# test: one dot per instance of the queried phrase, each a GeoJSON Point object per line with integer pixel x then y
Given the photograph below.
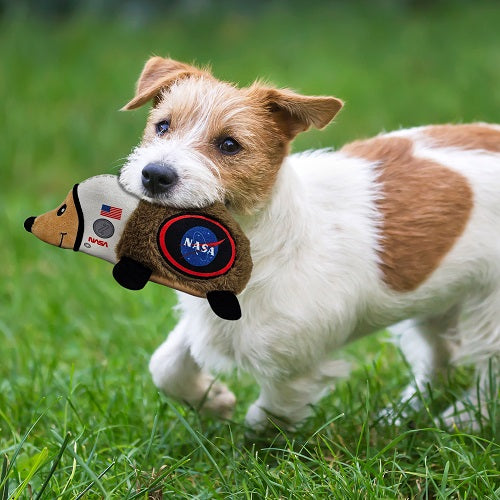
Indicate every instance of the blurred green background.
{"type": "Point", "coordinates": [72, 343]}
{"type": "Point", "coordinates": [395, 63]}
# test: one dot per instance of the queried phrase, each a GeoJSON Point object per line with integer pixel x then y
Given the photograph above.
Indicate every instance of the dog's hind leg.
{"type": "Point", "coordinates": [425, 344]}
{"type": "Point", "coordinates": [478, 343]}
{"type": "Point", "coordinates": [177, 374]}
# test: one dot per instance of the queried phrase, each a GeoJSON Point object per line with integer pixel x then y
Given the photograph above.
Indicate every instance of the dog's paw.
{"type": "Point", "coordinates": [256, 419]}
{"type": "Point", "coordinates": [401, 417]}
{"type": "Point", "coordinates": [460, 417]}
{"type": "Point", "coordinates": [401, 411]}
{"type": "Point", "coordinates": [261, 421]}
{"type": "Point", "coordinates": [390, 416]}
{"type": "Point", "coordinates": [219, 401]}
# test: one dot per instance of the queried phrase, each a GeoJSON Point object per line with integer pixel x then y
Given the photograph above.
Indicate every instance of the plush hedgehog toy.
{"type": "Point", "coordinates": [202, 252]}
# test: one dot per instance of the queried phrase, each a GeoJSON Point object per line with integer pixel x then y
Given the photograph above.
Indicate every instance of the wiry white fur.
{"type": "Point", "coordinates": [316, 285]}
{"type": "Point", "coordinates": [198, 184]}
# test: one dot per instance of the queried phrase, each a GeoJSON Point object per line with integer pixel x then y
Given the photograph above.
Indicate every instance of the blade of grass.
{"type": "Point", "coordinates": [196, 437]}
{"type": "Point", "coordinates": [153, 431]}
{"type": "Point", "coordinates": [54, 465]}
{"type": "Point", "coordinates": [82, 464]}
{"type": "Point", "coordinates": [18, 449]}
{"type": "Point", "coordinates": [4, 490]}
{"type": "Point", "coordinates": [324, 426]}
{"type": "Point", "coordinates": [40, 459]}
{"type": "Point", "coordinates": [71, 476]}
{"type": "Point", "coordinates": [164, 473]}
{"type": "Point", "coordinates": [444, 479]}
{"type": "Point", "coordinates": [10, 425]}
{"type": "Point", "coordinates": [80, 495]}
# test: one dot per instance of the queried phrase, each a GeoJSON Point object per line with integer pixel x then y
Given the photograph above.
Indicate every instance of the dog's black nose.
{"type": "Point", "coordinates": [28, 223]}
{"type": "Point", "coordinates": [157, 178]}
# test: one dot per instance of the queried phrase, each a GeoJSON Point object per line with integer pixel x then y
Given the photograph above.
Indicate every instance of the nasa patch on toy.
{"type": "Point", "coordinates": [196, 245]}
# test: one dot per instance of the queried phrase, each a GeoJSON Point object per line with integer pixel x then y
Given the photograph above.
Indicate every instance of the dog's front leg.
{"type": "Point", "coordinates": [286, 402]}
{"type": "Point", "coordinates": [177, 374]}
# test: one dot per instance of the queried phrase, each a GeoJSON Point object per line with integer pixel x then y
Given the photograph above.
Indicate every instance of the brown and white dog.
{"type": "Point", "coordinates": [400, 229]}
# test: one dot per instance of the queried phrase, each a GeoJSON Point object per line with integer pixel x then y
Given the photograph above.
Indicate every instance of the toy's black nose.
{"type": "Point", "coordinates": [157, 178]}
{"type": "Point", "coordinates": [28, 223]}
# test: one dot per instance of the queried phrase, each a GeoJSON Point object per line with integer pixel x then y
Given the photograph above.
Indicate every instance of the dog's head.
{"type": "Point", "coordinates": [207, 140]}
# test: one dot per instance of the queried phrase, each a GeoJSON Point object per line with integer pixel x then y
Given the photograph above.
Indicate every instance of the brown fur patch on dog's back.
{"type": "Point", "coordinates": [425, 207]}
{"type": "Point", "coordinates": [474, 136]}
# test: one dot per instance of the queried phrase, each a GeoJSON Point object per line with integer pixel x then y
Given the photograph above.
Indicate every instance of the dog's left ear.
{"type": "Point", "coordinates": [159, 73]}
{"type": "Point", "coordinates": [295, 113]}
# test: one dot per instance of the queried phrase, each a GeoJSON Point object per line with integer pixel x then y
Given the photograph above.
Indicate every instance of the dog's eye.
{"type": "Point", "coordinates": [162, 127]}
{"type": "Point", "coordinates": [61, 210]}
{"type": "Point", "coordinates": [229, 146]}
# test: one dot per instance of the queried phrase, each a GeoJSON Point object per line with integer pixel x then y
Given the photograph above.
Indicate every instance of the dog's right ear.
{"type": "Point", "coordinates": [158, 74]}
{"type": "Point", "coordinates": [295, 113]}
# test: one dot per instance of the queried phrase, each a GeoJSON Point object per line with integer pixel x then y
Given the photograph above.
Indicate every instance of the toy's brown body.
{"type": "Point", "coordinates": [140, 243]}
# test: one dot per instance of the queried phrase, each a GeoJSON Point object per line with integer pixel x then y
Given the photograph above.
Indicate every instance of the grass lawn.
{"type": "Point", "coordinates": [79, 415]}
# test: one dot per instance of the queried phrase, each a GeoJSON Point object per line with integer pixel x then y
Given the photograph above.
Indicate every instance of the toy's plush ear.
{"type": "Point", "coordinates": [158, 74]}
{"type": "Point", "coordinates": [59, 227]}
{"type": "Point", "coordinates": [295, 113]}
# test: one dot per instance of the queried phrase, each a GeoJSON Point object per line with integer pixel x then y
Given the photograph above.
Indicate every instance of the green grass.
{"type": "Point", "coordinates": [78, 411]}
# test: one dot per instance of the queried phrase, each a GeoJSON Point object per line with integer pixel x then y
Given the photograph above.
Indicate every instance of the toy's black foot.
{"type": "Point", "coordinates": [131, 274]}
{"type": "Point", "coordinates": [225, 304]}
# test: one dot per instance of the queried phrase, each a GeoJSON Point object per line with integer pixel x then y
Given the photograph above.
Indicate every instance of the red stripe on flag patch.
{"type": "Point", "coordinates": [111, 212]}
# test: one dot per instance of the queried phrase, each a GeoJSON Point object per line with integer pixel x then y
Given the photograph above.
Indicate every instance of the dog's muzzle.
{"type": "Point", "coordinates": [158, 178]}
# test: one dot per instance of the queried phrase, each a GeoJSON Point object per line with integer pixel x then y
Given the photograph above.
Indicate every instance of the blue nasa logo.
{"type": "Point", "coordinates": [196, 245]}
{"type": "Point", "coordinates": [199, 246]}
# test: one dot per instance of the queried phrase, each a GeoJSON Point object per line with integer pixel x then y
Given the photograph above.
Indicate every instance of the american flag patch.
{"type": "Point", "coordinates": [111, 212]}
